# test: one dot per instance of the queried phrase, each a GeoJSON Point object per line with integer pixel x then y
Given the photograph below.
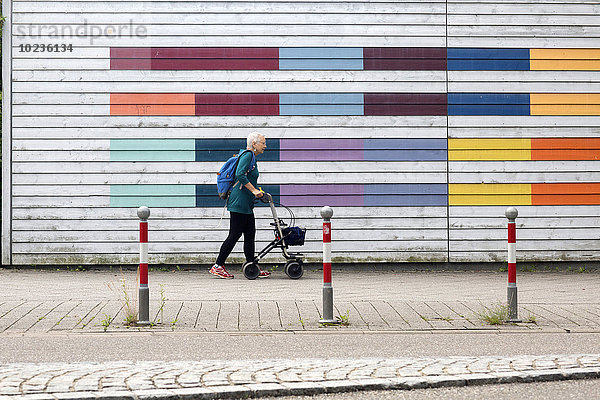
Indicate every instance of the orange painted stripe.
{"type": "Point", "coordinates": [152, 98]}
{"type": "Point", "coordinates": [152, 109]}
{"type": "Point", "coordinates": [565, 193]}
{"type": "Point", "coordinates": [565, 149]}
{"type": "Point", "coordinates": [152, 104]}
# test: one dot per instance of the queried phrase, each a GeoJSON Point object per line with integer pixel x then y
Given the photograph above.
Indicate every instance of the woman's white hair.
{"type": "Point", "coordinates": [253, 137]}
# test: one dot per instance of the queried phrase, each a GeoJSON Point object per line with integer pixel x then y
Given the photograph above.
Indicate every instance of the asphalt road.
{"type": "Point", "coordinates": [226, 346]}
{"type": "Point", "coordinates": [578, 389]}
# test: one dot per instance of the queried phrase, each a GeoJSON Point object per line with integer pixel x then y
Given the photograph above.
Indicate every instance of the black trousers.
{"type": "Point", "coordinates": [239, 224]}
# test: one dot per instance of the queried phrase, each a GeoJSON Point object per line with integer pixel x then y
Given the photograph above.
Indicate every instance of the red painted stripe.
{"type": "Point", "coordinates": [237, 104]}
{"type": "Point", "coordinates": [143, 232]}
{"type": "Point", "coordinates": [411, 64]}
{"type": "Point", "coordinates": [326, 272]}
{"type": "Point", "coordinates": [131, 63]}
{"type": "Point", "coordinates": [236, 109]}
{"type": "Point", "coordinates": [404, 109]}
{"type": "Point", "coordinates": [215, 64]}
{"type": "Point", "coordinates": [512, 232]}
{"type": "Point", "coordinates": [405, 52]}
{"type": "Point", "coordinates": [512, 273]}
{"type": "Point", "coordinates": [216, 52]}
{"type": "Point", "coordinates": [130, 52]}
{"type": "Point", "coordinates": [143, 274]}
{"type": "Point", "coordinates": [326, 232]}
{"type": "Point", "coordinates": [405, 98]}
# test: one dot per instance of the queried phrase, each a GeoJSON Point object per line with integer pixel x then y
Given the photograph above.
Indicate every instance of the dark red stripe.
{"type": "Point", "coordinates": [237, 104]}
{"type": "Point", "coordinates": [237, 98]}
{"type": "Point", "coordinates": [405, 98]}
{"type": "Point", "coordinates": [326, 232]}
{"type": "Point", "coordinates": [407, 64]}
{"type": "Point", "coordinates": [404, 109]}
{"type": "Point", "coordinates": [405, 52]}
{"type": "Point", "coordinates": [216, 52]}
{"type": "Point", "coordinates": [214, 64]}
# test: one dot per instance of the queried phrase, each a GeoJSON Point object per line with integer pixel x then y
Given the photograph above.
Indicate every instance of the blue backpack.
{"type": "Point", "coordinates": [226, 175]}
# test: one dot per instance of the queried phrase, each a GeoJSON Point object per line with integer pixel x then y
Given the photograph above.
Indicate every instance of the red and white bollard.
{"type": "Point", "coordinates": [512, 213]}
{"type": "Point", "coordinates": [327, 213]}
{"type": "Point", "coordinates": [144, 292]}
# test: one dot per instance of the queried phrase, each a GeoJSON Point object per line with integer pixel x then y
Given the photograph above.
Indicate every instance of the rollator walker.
{"type": "Point", "coordinates": [285, 236]}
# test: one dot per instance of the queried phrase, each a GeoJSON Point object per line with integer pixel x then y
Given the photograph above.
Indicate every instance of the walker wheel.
{"type": "Point", "coordinates": [251, 270]}
{"type": "Point", "coordinates": [294, 269]}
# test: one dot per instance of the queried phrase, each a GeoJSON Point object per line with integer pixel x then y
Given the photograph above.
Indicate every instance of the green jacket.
{"type": "Point", "coordinates": [241, 200]}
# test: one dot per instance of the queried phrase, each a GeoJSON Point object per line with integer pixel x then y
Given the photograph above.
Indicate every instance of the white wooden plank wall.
{"type": "Point", "coordinates": [61, 128]}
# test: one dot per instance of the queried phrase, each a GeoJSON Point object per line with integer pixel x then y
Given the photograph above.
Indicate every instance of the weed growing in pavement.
{"type": "Point", "coordinates": [163, 300]}
{"type": "Point", "coordinates": [302, 322]}
{"type": "Point", "coordinates": [495, 315]}
{"type": "Point", "coordinates": [173, 324]}
{"type": "Point", "coordinates": [129, 301]}
{"type": "Point", "coordinates": [345, 318]}
{"type": "Point", "coordinates": [581, 270]}
{"type": "Point", "coordinates": [273, 268]}
{"type": "Point", "coordinates": [106, 321]}
{"type": "Point", "coordinates": [531, 319]}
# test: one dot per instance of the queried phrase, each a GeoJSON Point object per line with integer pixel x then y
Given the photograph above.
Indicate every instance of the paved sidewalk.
{"type": "Point", "coordinates": [42, 301]}
{"type": "Point", "coordinates": [241, 379]}
{"type": "Point", "coordinates": [45, 305]}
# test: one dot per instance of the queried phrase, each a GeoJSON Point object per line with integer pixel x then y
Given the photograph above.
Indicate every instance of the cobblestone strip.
{"type": "Point", "coordinates": [146, 380]}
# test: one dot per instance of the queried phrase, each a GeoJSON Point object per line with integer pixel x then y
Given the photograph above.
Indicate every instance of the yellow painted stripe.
{"type": "Point", "coordinates": [564, 54]}
{"type": "Point", "coordinates": [490, 188]}
{"type": "Point", "coordinates": [564, 65]}
{"type": "Point", "coordinates": [565, 109]}
{"type": "Point", "coordinates": [489, 194]}
{"type": "Point", "coordinates": [488, 144]}
{"type": "Point", "coordinates": [486, 200]}
{"type": "Point", "coordinates": [564, 98]}
{"type": "Point", "coordinates": [489, 149]}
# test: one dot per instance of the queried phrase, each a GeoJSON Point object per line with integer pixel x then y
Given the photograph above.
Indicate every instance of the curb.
{"type": "Point", "coordinates": [322, 387]}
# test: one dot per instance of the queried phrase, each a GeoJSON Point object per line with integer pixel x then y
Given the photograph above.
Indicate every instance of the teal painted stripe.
{"type": "Point", "coordinates": [153, 195]}
{"type": "Point", "coordinates": [152, 150]}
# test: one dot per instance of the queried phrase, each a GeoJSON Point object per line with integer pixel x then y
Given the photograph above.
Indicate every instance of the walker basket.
{"type": "Point", "coordinates": [294, 236]}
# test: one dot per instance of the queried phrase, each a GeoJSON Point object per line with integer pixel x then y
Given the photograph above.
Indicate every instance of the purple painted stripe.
{"type": "Point", "coordinates": [321, 149]}
{"type": "Point", "coordinates": [321, 195]}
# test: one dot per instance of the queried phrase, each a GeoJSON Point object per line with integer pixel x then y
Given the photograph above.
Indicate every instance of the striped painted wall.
{"type": "Point", "coordinates": [418, 121]}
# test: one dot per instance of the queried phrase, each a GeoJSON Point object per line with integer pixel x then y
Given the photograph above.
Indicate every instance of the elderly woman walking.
{"type": "Point", "coordinates": [241, 204]}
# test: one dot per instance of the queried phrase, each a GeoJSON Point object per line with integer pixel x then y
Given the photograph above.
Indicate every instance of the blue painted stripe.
{"type": "Point", "coordinates": [153, 195]}
{"type": "Point", "coordinates": [321, 104]}
{"type": "Point", "coordinates": [406, 155]}
{"type": "Point", "coordinates": [321, 98]}
{"type": "Point", "coordinates": [206, 195]}
{"type": "Point", "coordinates": [488, 109]}
{"type": "Point", "coordinates": [321, 109]}
{"type": "Point", "coordinates": [321, 52]}
{"type": "Point", "coordinates": [488, 65]}
{"type": "Point", "coordinates": [321, 58]}
{"type": "Point", "coordinates": [404, 144]}
{"type": "Point", "coordinates": [406, 201]}
{"type": "Point", "coordinates": [488, 98]}
{"type": "Point", "coordinates": [223, 149]}
{"type": "Point", "coordinates": [406, 188]}
{"type": "Point", "coordinates": [487, 54]}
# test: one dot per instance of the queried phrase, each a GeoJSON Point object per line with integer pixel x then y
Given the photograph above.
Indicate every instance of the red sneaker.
{"type": "Point", "coordinates": [264, 274]}
{"type": "Point", "coordinates": [219, 271]}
